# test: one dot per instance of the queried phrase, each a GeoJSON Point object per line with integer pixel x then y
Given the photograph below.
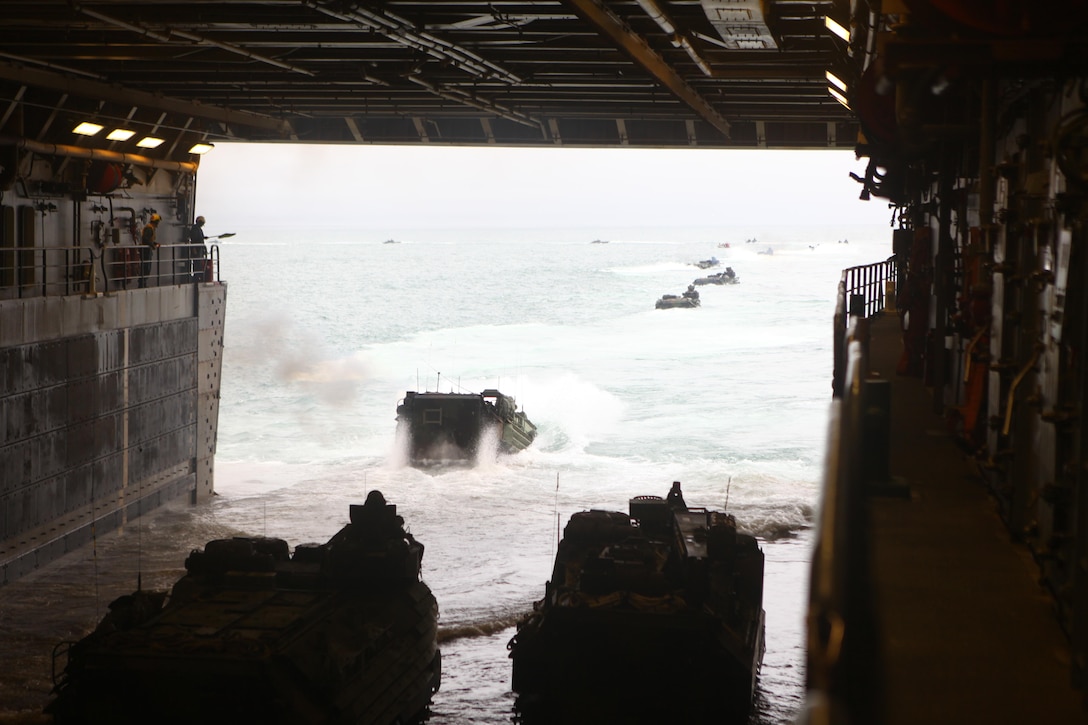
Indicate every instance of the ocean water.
{"type": "Point", "coordinates": [326, 330]}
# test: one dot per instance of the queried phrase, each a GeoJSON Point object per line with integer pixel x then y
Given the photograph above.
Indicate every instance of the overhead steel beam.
{"type": "Point", "coordinates": [15, 101]}
{"type": "Point", "coordinates": [85, 88]}
{"type": "Point", "coordinates": [613, 26]}
{"type": "Point", "coordinates": [354, 128]}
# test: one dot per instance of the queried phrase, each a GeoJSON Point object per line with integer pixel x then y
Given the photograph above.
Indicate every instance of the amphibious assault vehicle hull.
{"type": "Point", "coordinates": [454, 426]}
{"type": "Point", "coordinates": [669, 301]}
{"type": "Point", "coordinates": [655, 616]}
{"type": "Point", "coordinates": [720, 278]}
{"type": "Point", "coordinates": [343, 632]}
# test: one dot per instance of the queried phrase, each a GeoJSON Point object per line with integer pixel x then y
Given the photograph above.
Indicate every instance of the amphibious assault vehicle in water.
{"type": "Point", "coordinates": [341, 632]}
{"type": "Point", "coordinates": [442, 427]}
{"type": "Point", "coordinates": [655, 615]}
{"type": "Point", "coordinates": [667, 302]}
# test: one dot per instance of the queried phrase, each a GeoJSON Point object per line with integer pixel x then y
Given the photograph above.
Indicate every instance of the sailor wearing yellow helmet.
{"type": "Point", "coordinates": [149, 243]}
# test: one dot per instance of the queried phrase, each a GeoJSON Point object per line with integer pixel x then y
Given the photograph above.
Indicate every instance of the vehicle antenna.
{"type": "Point", "coordinates": [555, 539]}
{"type": "Point", "coordinates": [727, 484]}
{"type": "Point", "coordinates": [438, 382]}
{"type": "Point", "coordinates": [140, 548]}
{"type": "Point", "coordinates": [94, 553]}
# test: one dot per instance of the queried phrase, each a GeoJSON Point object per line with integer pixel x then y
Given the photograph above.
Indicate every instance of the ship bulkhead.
{"type": "Point", "coordinates": [974, 121]}
{"type": "Point", "coordinates": [111, 350]}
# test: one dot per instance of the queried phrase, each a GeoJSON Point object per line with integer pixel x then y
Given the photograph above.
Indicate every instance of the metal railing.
{"type": "Point", "coordinates": [55, 271]}
{"type": "Point", "coordinates": [843, 655]}
{"type": "Point", "coordinates": [844, 660]}
{"type": "Point", "coordinates": [863, 292]}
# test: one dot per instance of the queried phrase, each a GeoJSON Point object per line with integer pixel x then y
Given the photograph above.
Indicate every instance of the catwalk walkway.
{"type": "Point", "coordinates": [967, 632]}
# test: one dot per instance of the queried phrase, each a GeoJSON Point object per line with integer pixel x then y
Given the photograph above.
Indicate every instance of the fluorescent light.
{"type": "Point", "coordinates": [87, 129]}
{"type": "Point", "coordinates": [149, 142]}
{"type": "Point", "coordinates": [120, 134]}
{"type": "Point", "coordinates": [201, 148]}
{"type": "Point", "coordinates": [839, 97]}
{"type": "Point", "coordinates": [836, 81]}
{"type": "Point", "coordinates": [836, 28]}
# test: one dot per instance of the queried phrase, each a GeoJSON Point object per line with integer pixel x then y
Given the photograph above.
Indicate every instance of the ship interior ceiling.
{"type": "Point", "coordinates": [969, 118]}
{"type": "Point", "coordinates": [718, 73]}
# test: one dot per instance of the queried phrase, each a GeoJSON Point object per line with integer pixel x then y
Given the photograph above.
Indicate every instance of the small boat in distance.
{"type": "Point", "coordinates": [443, 427]}
{"type": "Point", "coordinates": [650, 616]}
{"type": "Point", "coordinates": [390, 241]}
{"type": "Point", "coordinates": [707, 263]}
{"type": "Point", "coordinates": [344, 632]}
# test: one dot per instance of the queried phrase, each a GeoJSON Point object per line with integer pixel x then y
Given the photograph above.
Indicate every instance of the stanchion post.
{"type": "Point", "coordinates": [876, 433]}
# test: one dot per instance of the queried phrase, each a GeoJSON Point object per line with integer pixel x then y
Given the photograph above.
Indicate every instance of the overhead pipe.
{"type": "Point", "coordinates": [683, 42]}
{"type": "Point", "coordinates": [658, 15]}
{"type": "Point", "coordinates": [52, 66]}
{"type": "Point", "coordinates": [402, 31]}
{"type": "Point", "coordinates": [469, 100]}
{"type": "Point", "coordinates": [712, 40]}
{"type": "Point", "coordinates": [78, 152]}
{"type": "Point", "coordinates": [679, 40]}
{"type": "Point", "coordinates": [147, 32]}
{"type": "Point", "coordinates": [242, 52]}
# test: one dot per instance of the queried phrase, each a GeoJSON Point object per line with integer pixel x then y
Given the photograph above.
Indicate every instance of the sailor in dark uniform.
{"type": "Point", "coordinates": [149, 244]}
{"type": "Point", "coordinates": [198, 250]}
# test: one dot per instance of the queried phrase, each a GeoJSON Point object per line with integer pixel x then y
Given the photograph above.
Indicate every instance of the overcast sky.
{"type": "Point", "coordinates": [261, 185]}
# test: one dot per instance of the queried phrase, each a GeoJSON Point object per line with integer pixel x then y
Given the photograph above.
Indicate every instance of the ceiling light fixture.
{"type": "Point", "coordinates": [836, 81]}
{"type": "Point", "coordinates": [201, 148]}
{"type": "Point", "coordinates": [839, 97]}
{"type": "Point", "coordinates": [120, 134]}
{"type": "Point", "coordinates": [837, 29]}
{"type": "Point", "coordinates": [87, 129]}
{"type": "Point", "coordinates": [150, 142]}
